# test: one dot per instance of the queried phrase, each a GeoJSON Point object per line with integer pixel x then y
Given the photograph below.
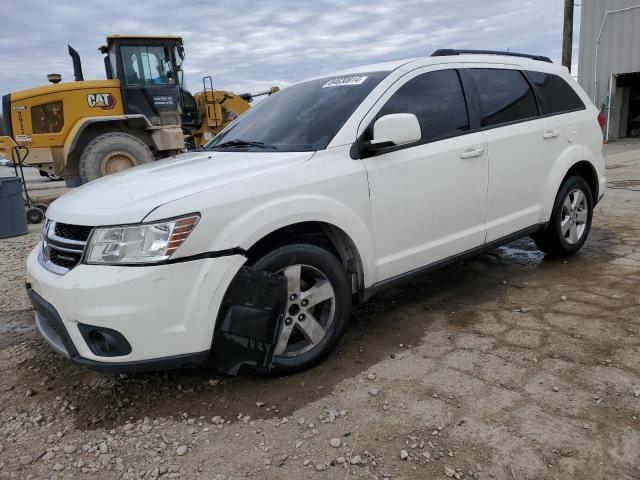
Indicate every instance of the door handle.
{"type": "Point", "coordinates": [472, 152]}
{"type": "Point", "coordinates": [550, 134]}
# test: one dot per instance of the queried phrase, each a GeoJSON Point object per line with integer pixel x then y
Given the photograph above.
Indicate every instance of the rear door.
{"type": "Point", "coordinates": [428, 199]}
{"type": "Point", "coordinates": [560, 118]}
{"type": "Point", "coordinates": [509, 119]}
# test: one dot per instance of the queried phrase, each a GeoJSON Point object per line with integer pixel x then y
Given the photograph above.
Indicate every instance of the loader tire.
{"type": "Point", "coordinates": [111, 153]}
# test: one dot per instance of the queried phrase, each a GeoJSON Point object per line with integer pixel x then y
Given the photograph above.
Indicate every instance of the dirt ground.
{"type": "Point", "coordinates": [510, 366]}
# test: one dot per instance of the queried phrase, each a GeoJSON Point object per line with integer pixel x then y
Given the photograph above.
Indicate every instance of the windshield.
{"type": "Point", "coordinates": [146, 65]}
{"type": "Point", "coordinates": [302, 117]}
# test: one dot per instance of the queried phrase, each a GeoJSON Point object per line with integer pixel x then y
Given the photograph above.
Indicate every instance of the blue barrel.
{"type": "Point", "coordinates": [13, 221]}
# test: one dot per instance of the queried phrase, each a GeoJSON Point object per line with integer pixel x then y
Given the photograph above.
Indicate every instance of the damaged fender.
{"type": "Point", "coordinates": [249, 321]}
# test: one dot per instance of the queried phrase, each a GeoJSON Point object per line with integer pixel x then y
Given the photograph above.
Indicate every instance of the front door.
{"type": "Point", "coordinates": [149, 85]}
{"type": "Point", "coordinates": [428, 199]}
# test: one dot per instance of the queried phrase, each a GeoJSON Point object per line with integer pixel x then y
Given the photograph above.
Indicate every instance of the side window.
{"type": "Point", "coordinates": [504, 96]}
{"type": "Point", "coordinates": [437, 99]}
{"type": "Point", "coordinates": [555, 93]}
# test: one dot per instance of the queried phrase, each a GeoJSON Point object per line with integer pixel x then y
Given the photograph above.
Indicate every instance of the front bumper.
{"type": "Point", "coordinates": [51, 327]}
{"type": "Point", "coordinates": [167, 313]}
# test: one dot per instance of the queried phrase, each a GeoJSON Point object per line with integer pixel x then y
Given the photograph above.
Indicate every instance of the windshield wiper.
{"type": "Point", "coordinates": [238, 143]}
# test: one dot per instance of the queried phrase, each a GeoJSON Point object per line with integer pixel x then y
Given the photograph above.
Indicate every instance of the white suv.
{"type": "Point", "coordinates": [251, 251]}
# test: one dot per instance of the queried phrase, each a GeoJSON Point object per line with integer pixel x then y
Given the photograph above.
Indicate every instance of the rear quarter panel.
{"type": "Point", "coordinates": [584, 144]}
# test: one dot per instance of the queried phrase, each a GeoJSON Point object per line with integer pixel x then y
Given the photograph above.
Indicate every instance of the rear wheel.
{"type": "Point", "coordinates": [111, 153]}
{"type": "Point", "coordinates": [318, 306]}
{"type": "Point", "coordinates": [570, 221]}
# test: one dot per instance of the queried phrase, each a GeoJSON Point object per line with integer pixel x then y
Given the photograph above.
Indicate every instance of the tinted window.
{"type": "Point", "coordinates": [505, 96]}
{"type": "Point", "coordinates": [436, 98]}
{"type": "Point", "coordinates": [302, 117]}
{"type": "Point", "coordinates": [555, 93]}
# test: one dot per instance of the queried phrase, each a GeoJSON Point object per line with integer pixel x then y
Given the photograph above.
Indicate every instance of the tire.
{"type": "Point", "coordinates": [35, 215]}
{"type": "Point", "coordinates": [559, 237]}
{"type": "Point", "coordinates": [318, 266]}
{"type": "Point", "coordinates": [110, 153]}
{"type": "Point", "coordinates": [72, 182]}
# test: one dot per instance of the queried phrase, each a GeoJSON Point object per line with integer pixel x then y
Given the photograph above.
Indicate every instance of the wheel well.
{"type": "Point", "coordinates": [586, 171]}
{"type": "Point", "coordinates": [322, 234]}
{"type": "Point", "coordinates": [92, 131]}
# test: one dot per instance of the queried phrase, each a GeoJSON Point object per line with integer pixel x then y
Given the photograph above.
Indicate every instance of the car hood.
{"type": "Point", "coordinates": [128, 196]}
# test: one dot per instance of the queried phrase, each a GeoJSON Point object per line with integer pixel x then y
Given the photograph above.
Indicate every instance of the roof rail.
{"type": "Point", "coordinates": [444, 52]}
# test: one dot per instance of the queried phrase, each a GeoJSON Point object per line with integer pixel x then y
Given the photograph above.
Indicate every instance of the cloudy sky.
{"type": "Point", "coordinates": [249, 45]}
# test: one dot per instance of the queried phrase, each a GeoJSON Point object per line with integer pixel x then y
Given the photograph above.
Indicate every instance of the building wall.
{"type": "Point", "coordinates": [619, 50]}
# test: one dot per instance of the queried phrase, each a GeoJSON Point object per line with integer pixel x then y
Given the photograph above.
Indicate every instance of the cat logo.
{"type": "Point", "coordinates": [105, 101]}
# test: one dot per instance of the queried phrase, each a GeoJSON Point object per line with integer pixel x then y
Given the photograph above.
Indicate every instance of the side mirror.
{"type": "Point", "coordinates": [393, 130]}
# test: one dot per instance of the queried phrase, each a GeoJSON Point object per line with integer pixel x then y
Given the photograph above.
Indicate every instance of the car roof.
{"type": "Point", "coordinates": [412, 63]}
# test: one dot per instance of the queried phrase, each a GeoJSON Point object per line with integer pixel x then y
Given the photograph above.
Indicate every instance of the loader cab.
{"type": "Point", "coordinates": [151, 78]}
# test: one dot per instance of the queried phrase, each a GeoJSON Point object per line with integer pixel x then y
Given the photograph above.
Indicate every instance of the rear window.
{"type": "Point", "coordinates": [556, 95]}
{"type": "Point", "coordinates": [505, 96]}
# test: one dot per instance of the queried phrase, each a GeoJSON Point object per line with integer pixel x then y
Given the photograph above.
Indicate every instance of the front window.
{"type": "Point", "coordinates": [437, 100]}
{"type": "Point", "coordinates": [302, 117]}
{"type": "Point", "coordinates": [147, 65]}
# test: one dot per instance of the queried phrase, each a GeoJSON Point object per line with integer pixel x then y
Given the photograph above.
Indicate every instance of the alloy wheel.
{"type": "Point", "coordinates": [309, 312]}
{"type": "Point", "coordinates": [574, 216]}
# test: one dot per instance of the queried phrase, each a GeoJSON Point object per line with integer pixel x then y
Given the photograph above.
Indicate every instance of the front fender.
{"type": "Point", "coordinates": [568, 158]}
{"type": "Point", "coordinates": [132, 121]}
{"type": "Point", "coordinates": [251, 226]}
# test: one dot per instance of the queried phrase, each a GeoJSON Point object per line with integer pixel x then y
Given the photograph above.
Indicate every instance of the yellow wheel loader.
{"type": "Point", "coordinates": [86, 129]}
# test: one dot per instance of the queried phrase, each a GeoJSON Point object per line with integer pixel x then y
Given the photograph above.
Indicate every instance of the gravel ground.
{"type": "Point", "coordinates": [510, 366]}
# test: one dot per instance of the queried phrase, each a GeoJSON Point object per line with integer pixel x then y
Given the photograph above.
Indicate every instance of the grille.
{"type": "Point", "coordinates": [72, 232]}
{"type": "Point", "coordinates": [64, 245]}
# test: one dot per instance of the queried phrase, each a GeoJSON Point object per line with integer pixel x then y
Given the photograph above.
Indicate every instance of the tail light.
{"type": "Point", "coordinates": [602, 120]}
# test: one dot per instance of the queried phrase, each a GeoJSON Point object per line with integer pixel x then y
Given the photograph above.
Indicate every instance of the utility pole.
{"type": "Point", "coordinates": [567, 34]}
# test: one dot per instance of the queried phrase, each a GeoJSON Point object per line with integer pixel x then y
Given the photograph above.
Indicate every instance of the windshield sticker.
{"type": "Point", "coordinates": [339, 82]}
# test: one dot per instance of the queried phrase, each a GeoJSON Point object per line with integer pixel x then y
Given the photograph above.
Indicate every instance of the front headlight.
{"type": "Point", "coordinates": [143, 243]}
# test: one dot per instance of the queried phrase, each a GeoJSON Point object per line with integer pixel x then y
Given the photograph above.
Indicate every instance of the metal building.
{"type": "Point", "coordinates": [609, 62]}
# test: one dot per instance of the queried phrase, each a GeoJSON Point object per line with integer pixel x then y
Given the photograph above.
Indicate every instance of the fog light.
{"type": "Point", "coordinates": [104, 342]}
